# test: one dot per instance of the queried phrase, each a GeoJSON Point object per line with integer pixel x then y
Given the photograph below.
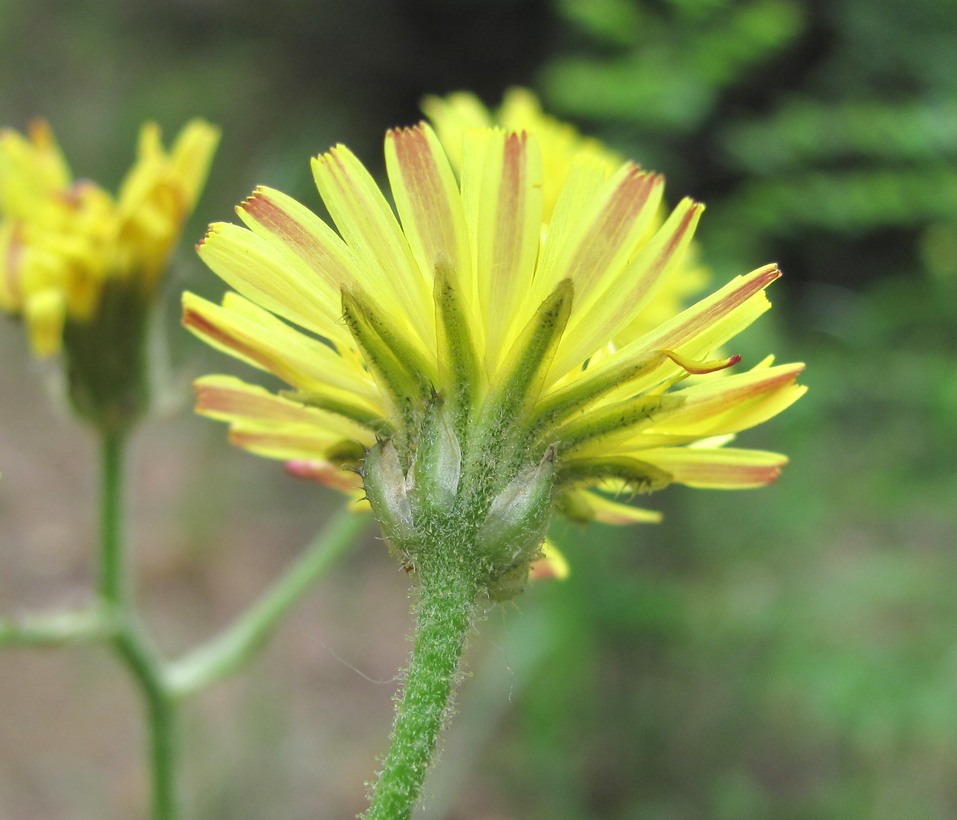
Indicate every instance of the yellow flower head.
{"type": "Point", "coordinates": [474, 361]}
{"type": "Point", "coordinates": [62, 241]}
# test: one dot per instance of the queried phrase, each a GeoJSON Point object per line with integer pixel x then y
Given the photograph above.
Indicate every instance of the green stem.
{"type": "Point", "coordinates": [130, 642]}
{"type": "Point", "coordinates": [239, 642]}
{"type": "Point", "coordinates": [446, 606]}
{"type": "Point", "coordinates": [113, 585]}
{"type": "Point", "coordinates": [68, 627]}
{"type": "Point", "coordinates": [144, 665]}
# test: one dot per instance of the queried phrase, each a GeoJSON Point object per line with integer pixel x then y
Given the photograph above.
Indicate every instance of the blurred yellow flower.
{"type": "Point", "coordinates": [62, 241]}
{"type": "Point", "coordinates": [492, 347]}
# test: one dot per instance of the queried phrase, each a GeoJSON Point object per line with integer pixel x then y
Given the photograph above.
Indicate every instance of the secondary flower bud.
{"type": "Point", "coordinates": [387, 490]}
{"type": "Point", "coordinates": [515, 527]}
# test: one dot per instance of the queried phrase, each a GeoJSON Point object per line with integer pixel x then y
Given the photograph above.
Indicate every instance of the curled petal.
{"type": "Point", "coordinates": [691, 336]}
{"type": "Point", "coordinates": [735, 403]}
{"type": "Point", "coordinates": [700, 368]}
{"type": "Point", "coordinates": [607, 311]}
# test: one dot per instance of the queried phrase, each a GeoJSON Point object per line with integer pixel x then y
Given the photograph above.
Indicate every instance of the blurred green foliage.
{"type": "Point", "coordinates": [791, 118]}
{"type": "Point", "coordinates": [788, 653]}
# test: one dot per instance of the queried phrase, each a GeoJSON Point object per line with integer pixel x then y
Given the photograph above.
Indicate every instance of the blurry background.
{"type": "Point", "coordinates": [790, 652]}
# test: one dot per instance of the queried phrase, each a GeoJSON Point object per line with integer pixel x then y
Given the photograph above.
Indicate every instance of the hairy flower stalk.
{"type": "Point", "coordinates": [488, 353]}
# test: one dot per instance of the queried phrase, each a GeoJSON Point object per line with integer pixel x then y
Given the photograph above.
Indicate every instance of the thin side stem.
{"type": "Point", "coordinates": [68, 627]}
{"type": "Point", "coordinates": [444, 614]}
{"type": "Point", "coordinates": [130, 643]}
{"type": "Point", "coordinates": [233, 647]}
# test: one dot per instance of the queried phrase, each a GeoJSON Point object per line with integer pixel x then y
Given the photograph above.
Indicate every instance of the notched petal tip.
{"type": "Point", "coordinates": [516, 138]}
{"type": "Point", "coordinates": [416, 131]}
{"type": "Point", "coordinates": [633, 174]}
{"type": "Point", "coordinates": [212, 231]}
{"type": "Point", "coordinates": [257, 202]}
{"type": "Point", "coordinates": [333, 155]}
{"type": "Point", "coordinates": [764, 476]}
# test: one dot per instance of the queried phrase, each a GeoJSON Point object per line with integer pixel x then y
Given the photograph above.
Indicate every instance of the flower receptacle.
{"type": "Point", "coordinates": [499, 532]}
{"type": "Point", "coordinates": [514, 528]}
{"type": "Point", "coordinates": [106, 359]}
